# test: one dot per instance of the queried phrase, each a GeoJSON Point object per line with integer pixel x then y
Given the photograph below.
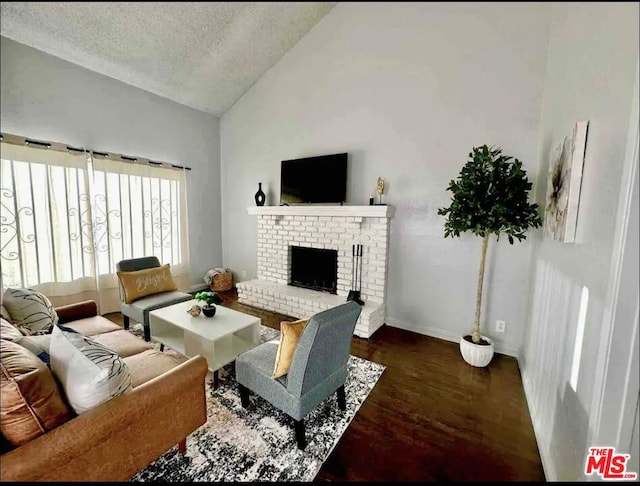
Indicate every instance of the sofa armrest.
{"type": "Point", "coordinates": [115, 440]}
{"type": "Point", "coordinates": [73, 312]}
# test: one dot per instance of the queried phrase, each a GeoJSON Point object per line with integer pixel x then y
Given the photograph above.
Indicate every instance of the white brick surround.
{"type": "Point", "coordinates": [326, 227]}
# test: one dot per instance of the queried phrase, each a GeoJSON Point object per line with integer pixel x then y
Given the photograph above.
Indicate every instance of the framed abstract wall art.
{"type": "Point", "coordinates": [563, 185]}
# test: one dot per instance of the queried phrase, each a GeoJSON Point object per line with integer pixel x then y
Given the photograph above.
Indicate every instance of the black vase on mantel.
{"type": "Point", "coordinates": [260, 196]}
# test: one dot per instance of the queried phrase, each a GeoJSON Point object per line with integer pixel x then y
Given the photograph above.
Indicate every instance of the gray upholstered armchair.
{"type": "Point", "coordinates": [318, 368]}
{"type": "Point", "coordinates": [138, 310]}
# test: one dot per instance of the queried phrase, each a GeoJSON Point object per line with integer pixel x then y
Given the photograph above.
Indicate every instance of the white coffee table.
{"type": "Point", "coordinates": [220, 339]}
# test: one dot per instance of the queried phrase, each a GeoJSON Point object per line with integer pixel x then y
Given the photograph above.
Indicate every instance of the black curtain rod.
{"type": "Point", "coordinates": [133, 159]}
{"type": "Point", "coordinates": [35, 142]}
{"type": "Point", "coordinates": [103, 154]}
{"type": "Point", "coordinates": [180, 167]}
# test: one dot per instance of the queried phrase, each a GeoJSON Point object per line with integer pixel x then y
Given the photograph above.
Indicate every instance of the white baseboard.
{"type": "Point", "coordinates": [536, 420]}
{"type": "Point", "coordinates": [442, 334]}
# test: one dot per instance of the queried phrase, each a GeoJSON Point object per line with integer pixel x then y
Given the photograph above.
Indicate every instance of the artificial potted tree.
{"type": "Point", "coordinates": [490, 196]}
{"type": "Point", "coordinates": [209, 299]}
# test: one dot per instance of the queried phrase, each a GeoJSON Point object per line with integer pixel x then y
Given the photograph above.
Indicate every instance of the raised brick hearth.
{"type": "Point", "coordinates": [326, 227]}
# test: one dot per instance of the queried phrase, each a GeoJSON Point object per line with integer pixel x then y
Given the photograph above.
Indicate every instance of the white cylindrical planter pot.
{"type": "Point", "coordinates": [476, 354]}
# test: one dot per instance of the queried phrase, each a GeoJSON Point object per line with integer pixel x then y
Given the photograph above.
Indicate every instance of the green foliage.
{"type": "Point", "coordinates": [209, 297]}
{"type": "Point", "coordinates": [490, 196]}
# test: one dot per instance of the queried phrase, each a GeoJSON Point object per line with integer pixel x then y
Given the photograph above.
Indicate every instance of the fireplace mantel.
{"type": "Point", "coordinates": [382, 211]}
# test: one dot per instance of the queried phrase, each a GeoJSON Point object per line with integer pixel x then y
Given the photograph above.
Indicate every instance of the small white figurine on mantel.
{"type": "Point", "coordinates": [380, 189]}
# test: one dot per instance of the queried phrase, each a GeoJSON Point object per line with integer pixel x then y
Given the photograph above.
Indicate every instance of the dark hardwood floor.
{"type": "Point", "coordinates": [431, 416]}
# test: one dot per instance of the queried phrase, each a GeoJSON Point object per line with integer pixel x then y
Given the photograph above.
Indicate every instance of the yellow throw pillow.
{"type": "Point", "coordinates": [142, 283]}
{"type": "Point", "coordinates": [290, 333]}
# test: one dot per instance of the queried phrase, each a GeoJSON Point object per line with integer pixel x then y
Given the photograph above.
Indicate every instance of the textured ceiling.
{"type": "Point", "coordinates": [203, 55]}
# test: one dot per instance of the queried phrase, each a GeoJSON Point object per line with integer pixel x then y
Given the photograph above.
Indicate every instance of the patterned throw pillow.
{"type": "Point", "coordinates": [31, 311]}
{"type": "Point", "coordinates": [142, 283]}
{"type": "Point", "coordinates": [4, 313]}
{"type": "Point", "coordinates": [89, 372]}
{"type": "Point", "coordinates": [290, 333]}
{"type": "Point", "coordinates": [9, 332]}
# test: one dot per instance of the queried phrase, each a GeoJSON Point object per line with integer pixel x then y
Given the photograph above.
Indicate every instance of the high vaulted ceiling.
{"type": "Point", "coordinates": [203, 55]}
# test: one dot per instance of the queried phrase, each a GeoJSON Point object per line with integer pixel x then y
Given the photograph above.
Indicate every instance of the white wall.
{"type": "Point", "coordinates": [592, 65]}
{"type": "Point", "coordinates": [407, 90]}
{"type": "Point", "coordinates": [44, 97]}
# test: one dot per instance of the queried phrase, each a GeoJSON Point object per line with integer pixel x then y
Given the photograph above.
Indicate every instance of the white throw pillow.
{"type": "Point", "coordinates": [31, 311]}
{"type": "Point", "coordinates": [89, 372]}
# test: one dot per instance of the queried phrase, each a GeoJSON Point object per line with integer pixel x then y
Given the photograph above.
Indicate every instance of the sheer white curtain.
{"type": "Point", "coordinates": [138, 210]}
{"type": "Point", "coordinates": [46, 237]}
{"type": "Point", "coordinates": [67, 218]}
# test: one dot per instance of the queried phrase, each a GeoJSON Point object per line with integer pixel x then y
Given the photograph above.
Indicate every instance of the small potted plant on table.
{"type": "Point", "coordinates": [209, 299]}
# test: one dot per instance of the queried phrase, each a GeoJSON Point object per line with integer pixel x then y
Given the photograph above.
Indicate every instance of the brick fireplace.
{"type": "Point", "coordinates": [283, 229]}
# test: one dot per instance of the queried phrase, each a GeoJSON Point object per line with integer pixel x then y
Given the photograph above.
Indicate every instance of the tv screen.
{"type": "Point", "coordinates": [321, 179]}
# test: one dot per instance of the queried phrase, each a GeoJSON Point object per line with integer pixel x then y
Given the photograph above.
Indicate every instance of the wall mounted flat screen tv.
{"type": "Point", "coordinates": [321, 179]}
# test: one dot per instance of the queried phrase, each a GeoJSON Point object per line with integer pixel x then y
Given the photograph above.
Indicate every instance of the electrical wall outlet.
{"type": "Point", "coordinates": [500, 326]}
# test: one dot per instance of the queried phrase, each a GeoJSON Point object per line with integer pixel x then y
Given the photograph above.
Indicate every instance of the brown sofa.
{"type": "Point", "coordinates": [120, 437]}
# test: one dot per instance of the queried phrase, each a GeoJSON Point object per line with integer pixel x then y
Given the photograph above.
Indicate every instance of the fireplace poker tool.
{"type": "Point", "coordinates": [360, 282]}
{"type": "Point", "coordinates": [354, 294]}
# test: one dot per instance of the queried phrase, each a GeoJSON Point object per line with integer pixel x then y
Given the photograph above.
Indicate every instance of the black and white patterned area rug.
{"type": "Point", "coordinates": [258, 443]}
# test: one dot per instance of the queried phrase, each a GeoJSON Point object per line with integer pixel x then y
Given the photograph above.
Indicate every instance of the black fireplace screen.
{"type": "Point", "coordinates": [314, 268]}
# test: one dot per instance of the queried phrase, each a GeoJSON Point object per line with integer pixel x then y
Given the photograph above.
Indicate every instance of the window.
{"type": "Point", "coordinates": [45, 220]}
{"type": "Point", "coordinates": [135, 215]}
{"type": "Point", "coordinates": [67, 216]}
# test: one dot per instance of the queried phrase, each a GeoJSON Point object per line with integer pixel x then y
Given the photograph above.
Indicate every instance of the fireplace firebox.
{"type": "Point", "coordinates": [314, 268]}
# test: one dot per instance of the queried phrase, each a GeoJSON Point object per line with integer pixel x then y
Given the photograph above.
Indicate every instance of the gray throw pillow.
{"type": "Point", "coordinates": [31, 311]}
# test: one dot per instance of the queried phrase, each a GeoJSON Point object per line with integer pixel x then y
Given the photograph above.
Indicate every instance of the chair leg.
{"type": "Point", "coordinates": [147, 333]}
{"type": "Point", "coordinates": [244, 395]}
{"type": "Point", "coordinates": [298, 425]}
{"type": "Point", "coordinates": [126, 321]}
{"type": "Point", "coordinates": [182, 446]}
{"type": "Point", "coordinates": [342, 398]}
